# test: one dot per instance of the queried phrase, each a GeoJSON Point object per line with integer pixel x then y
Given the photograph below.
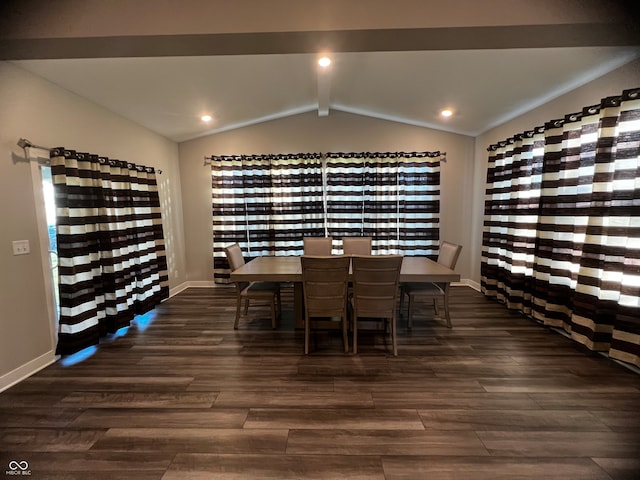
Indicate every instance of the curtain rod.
{"type": "Point", "coordinates": [24, 144]}
{"type": "Point", "coordinates": [208, 160]}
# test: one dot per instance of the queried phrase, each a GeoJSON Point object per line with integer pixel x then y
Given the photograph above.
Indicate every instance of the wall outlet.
{"type": "Point", "coordinates": [21, 247]}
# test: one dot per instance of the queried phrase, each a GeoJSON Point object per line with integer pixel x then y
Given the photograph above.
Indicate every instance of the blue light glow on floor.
{"type": "Point", "coordinates": [119, 333]}
{"type": "Point", "coordinates": [143, 321]}
{"type": "Point", "coordinates": [78, 357]}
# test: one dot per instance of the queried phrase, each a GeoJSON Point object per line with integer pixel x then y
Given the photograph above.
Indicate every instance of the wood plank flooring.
{"type": "Point", "coordinates": [180, 395]}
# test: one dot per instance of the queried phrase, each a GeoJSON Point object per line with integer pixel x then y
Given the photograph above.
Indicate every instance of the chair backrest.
{"type": "Point", "coordinates": [236, 260]}
{"type": "Point", "coordinates": [324, 281]}
{"type": "Point", "coordinates": [234, 256]}
{"type": "Point", "coordinates": [448, 254]}
{"type": "Point", "coordinates": [356, 245]}
{"type": "Point", "coordinates": [375, 285]}
{"type": "Point", "coordinates": [317, 246]}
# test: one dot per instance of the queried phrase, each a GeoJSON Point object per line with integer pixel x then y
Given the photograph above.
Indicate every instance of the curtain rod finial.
{"type": "Point", "coordinates": [24, 143]}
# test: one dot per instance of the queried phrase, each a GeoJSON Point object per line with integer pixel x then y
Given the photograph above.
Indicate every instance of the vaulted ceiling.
{"type": "Point", "coordinates": [486, 72]}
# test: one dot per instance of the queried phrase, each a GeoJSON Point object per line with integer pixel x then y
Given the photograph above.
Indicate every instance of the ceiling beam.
{"type": "Point", "coordinates": [382, 40]}
{"type": "Point", "coordinates": [324, 90]}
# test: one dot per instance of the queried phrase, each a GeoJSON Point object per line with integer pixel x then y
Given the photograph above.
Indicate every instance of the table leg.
{"type": "Point", "coordinates": [298, 305]}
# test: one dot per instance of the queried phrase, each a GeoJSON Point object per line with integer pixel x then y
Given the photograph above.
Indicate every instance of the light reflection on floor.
{"type": "Point", "coordinates": [78, 357]}
{"type": "Point", "coordinates": [140, 322]}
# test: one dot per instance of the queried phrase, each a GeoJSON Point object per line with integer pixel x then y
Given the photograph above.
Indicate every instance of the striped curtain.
{"type": "Point", "coordinates": [112, 262]}
{"type": "Point", "coordinates": [392, 197]}
{"type": "Point", "coordinates": [419, 204]}
{"type": "Point", "coordinates": [266, 204]}
{"type": "Point", "coordinates": [345, 195]}
{"type": "Point", "coordinates": [561, 238]}
{"type": "Point", "coordinates": [511, 216]}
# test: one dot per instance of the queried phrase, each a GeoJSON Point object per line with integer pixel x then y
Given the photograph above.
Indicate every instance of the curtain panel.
{"type": "Point", "coordinates": [392, 197]}
{"type": "Point", "coordinates": [268, 203]}
{"type": "Point", "coordinates": [112, 260]}
{"type": "Point", "coordinates": [561, 238]}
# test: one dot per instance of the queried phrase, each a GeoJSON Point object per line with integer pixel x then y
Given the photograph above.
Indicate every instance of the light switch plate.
{"type": "Point", "coordinates": [21, 247]}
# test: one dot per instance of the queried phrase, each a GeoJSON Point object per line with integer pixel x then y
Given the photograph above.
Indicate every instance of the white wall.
{"type": "Point", "coordinates": [608, 85]}
{"type": "Point", "coordinates": [310, 133]}
{"type": "Point", "coordinates": [35, 109]}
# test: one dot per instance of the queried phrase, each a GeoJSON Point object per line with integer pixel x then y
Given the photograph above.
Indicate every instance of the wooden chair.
{"type": "Point", "coordinates": [356, 245]}
{"type": "Point", "coordinates": [324, 282]}
{"type": "Point", "coordinates": [447, 256]}
{"type": "Point", "coordinates": [317, 246]}
{"type": "Point", "coordinates": [265, 293]}
{"type": "Point", "coordinates": [375, 291]}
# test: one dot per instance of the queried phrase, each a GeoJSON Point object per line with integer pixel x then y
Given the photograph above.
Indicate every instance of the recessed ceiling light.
{"type": "Point", "coordinates": [324, 62]}
{"type": "Point", "coordinates": [206, 118]}
{"type": "Point", "coordinates": [446, 113]}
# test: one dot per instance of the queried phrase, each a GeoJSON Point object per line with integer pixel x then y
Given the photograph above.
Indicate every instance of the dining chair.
{"type": "Point", "coordinates": [264, 293]}
{"type": "Point", "coordinates": [356, 245]}
{"type": "Point", "coordinates": [317, 246]}
{"type": "Point", "coordinates": [447, 256]}
{"type": "Point", "coordinates": [375, 292]}
{"type": "Point", "coordinates": [324, 283]}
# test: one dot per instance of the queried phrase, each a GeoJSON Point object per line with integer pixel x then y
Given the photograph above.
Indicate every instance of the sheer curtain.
{"type": "Point", "coordinates": [112, 261]}
{"type": "Point", "coordinates": [562, 225]}
{"type": "Point", "coordinates": [266, 204]}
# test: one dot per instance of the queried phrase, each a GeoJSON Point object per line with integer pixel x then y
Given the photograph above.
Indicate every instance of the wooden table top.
{"type": "Point", "coordinates": [289, 269]}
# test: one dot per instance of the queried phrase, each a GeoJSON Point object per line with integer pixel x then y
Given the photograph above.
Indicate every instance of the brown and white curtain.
{"type": "Point", "coordinates": [112, 261]}
{"type": "Point", "coordinates": [392, 197]}
{"type": "Point", "coordinates": [561, 237]}
{"type": "Point", "coordinates": [266, 204]}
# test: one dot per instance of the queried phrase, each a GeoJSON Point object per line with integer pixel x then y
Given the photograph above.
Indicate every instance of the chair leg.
{"type": "Point", "coordinates": [410, 314]}
{"type": "Point", "coordinates": [238, 310]}
{"type": "Point", "coordinates": [306, 335]}
{"type": "Point", "coordinates": [393, 336]}
{"type": "Point", "coordinates": [435, 306]}
{"type": "Point", "coordinates": [446, 310]}
{"type": "Point", "coordinates": [345, 334]}
{"type": "Point", "coordinates": [279, 299]}
{"type": "Point", "coordinates": [273, 313]}
{"type": "Point", "coordinates": [355, 333]}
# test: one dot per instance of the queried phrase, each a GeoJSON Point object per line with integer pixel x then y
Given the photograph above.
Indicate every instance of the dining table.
{"type": "Point", "coordinates": [288, 269]}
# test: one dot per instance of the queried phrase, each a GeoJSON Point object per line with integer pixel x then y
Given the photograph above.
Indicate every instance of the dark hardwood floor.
{"type": "Point", "coordinates": [181, 395]}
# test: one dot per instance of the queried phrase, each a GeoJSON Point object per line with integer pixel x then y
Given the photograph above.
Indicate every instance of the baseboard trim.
{"type": "Point", "coordinates": [176, 290]}
{"type": "Point", "coordinates": [473, 284]}
{"type": "Point", "coordinates": [203, 284]}
{"type": "Point", "coordinates": [467, 282]}
{"type": "Point", "coordinates": [193, 284]}
{"type": "Point", "coordinates": [14, 377]}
